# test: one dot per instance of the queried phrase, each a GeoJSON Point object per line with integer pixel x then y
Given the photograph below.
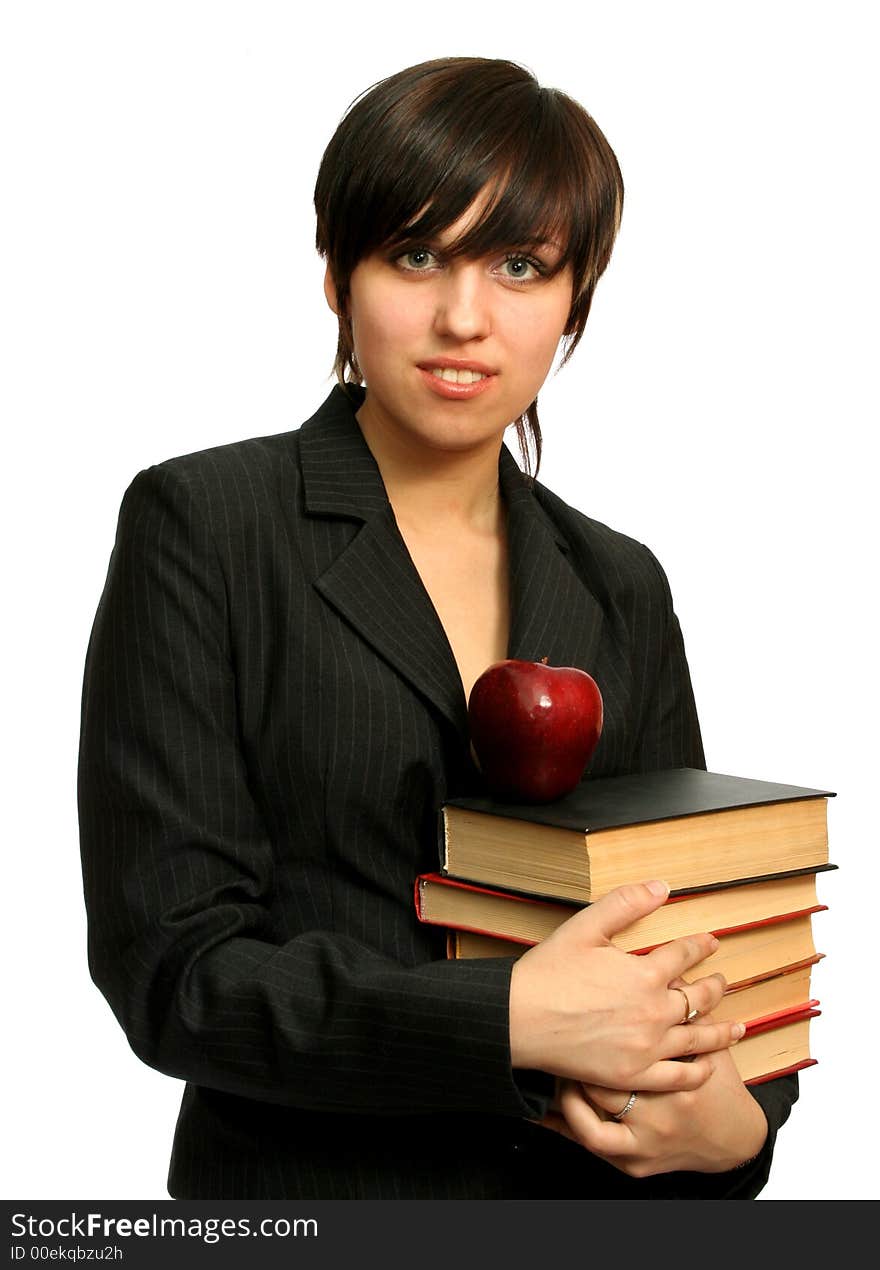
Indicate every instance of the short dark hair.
{"type": "Point", "coordinates": [427, 140]}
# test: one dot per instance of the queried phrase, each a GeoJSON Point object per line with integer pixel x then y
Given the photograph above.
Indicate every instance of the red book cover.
{"type": "Point", "coordinates": [771, 1021]}
{"type": "Point", "coordinates": [440, 879]}
{"type": "Point", "coordinates": [791, 1014]}
{"type": "Point", "coordinates": [783, 970]}
{"type": "Point", "coordinates": [783, 1071]}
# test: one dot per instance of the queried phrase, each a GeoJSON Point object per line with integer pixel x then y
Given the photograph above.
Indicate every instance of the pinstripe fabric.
{"type": "Point", "coordinates": [272, 716]}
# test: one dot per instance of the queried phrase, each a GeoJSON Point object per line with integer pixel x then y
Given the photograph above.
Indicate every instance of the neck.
{"type": "Point", "coordinates": [431, 488]}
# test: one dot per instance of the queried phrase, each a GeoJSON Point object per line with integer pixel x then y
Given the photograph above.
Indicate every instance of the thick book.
{"type": "Point", "coordinates": [444, 901]}
{"type": "Point", "coordinates": [775, 1045]}
{"type": "Point", "coordinates": [764, 997]}
{"type": "Point", "coordinates": [694, 829]}
{"type": "Point", "coordinates": [743, 956]}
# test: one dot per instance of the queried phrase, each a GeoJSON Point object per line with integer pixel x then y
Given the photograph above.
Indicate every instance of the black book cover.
{"type": "Point", "coordinates": [674, 894]}
{"type": "Point", "coordinates": [615, 801]}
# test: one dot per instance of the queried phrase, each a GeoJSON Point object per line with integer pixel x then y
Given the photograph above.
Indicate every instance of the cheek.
{"type": "Point", "coordinates": [384, 327]}
{"type": "Point", "coordinates": [533, 332]}
{"type": "Point", "coordinates": [540, 342]}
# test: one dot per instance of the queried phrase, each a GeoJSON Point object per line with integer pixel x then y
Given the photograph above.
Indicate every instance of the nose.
{"type": "Point", "coordinates": [463, 309]}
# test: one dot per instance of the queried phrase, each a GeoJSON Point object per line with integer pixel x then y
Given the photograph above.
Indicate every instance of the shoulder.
{"type": "Point", "coordinates": [260, 475]}
{"type": "Point", "coordinates": [616, 567]}
{"type": "Point", "coordinates": [238, 468]}
{"type": "Point", "coordinates": [237, 481]}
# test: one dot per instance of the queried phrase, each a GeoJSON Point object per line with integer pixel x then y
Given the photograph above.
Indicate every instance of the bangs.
{"type": "Point", "coordinates": [516, 214]}
{"type": "Point", "coordinates": [497, 149]}
{"type": "Point", "coordinates": [415, 163]}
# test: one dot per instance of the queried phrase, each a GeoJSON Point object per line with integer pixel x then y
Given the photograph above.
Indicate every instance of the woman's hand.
{"type": "Point", "coordinates": [707, 1130]}
{"type": "Point", "coordinates": [581, 1008]}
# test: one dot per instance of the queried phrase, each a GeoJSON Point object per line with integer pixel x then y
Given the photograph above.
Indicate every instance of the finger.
{"type": "Point", "coordinates": [686, 984]}
{"type": "Point", "coordinates": [670, 961]}
{"type": "Point", "coordinates": [604, 1137]}
{"type": "Point", "coordinates": [620, 908]}
{"type": "Point", "coordinates": [699, 1038]}
{"type": "Point", "coordinates": [681, 1004]}
{"type": "Point", "coordinates": [702, 996]}
{"type": "Point", "coordinates": [669, 1075]}
{"type": "Point", "coordinates": [611, 1102]}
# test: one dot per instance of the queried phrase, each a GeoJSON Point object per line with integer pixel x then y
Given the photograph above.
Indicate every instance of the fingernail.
{"type": "Point", "coordinates": [739, 1030]}
{"type": "Point", "coordinates": [658, 888]}
{"type": "Point", "coordinates": [713, 943]}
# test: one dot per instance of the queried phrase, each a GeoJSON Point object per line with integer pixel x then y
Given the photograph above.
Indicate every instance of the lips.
{"type": "Point", "coordinates": [457, 364]}
{"type": "Point", "coordinates": [455, 378]}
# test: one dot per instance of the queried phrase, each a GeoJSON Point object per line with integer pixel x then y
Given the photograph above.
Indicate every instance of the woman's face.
{"type": "Point", "coordinates": [419, 316]}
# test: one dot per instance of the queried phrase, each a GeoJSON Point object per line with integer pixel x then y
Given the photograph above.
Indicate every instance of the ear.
{"type": "Point", "coordinates": [330, 290]}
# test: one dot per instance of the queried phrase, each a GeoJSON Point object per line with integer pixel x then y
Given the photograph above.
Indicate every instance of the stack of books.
{"type": "Point", "coordinates": [741, 857]}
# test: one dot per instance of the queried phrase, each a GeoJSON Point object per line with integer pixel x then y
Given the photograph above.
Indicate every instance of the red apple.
{"type": "Point", "coordinates": [534, 728]}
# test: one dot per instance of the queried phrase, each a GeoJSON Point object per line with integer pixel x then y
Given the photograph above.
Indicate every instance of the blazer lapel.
{"type": "Point", "coordinates": [553, 613]}
{"type": "Point", "coordinates": [373, 582]}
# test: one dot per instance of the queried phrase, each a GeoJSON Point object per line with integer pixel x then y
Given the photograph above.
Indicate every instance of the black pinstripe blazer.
{"type": "Point", "coordinates": [272, 716]}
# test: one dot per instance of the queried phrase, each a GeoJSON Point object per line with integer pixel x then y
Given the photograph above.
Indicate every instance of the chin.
{"type": "Point", "coordinates": [457, 431]}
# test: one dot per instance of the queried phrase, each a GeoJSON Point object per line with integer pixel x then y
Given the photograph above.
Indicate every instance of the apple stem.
{"type": "Point", "coordinates": [543, 661]}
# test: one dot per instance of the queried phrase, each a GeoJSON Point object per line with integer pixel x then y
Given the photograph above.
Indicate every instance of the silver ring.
{"type": "Point", "coordinates": [630, 1103]}
{"type": "Point", "coordinates": [689, 1014]}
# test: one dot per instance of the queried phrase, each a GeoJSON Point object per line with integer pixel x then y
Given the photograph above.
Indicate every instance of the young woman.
{"type": "Point", "coordinates": [275, 709]}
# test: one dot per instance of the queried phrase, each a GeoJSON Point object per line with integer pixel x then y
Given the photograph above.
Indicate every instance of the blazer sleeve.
{"type": "Point", "coordinates": [178, 873]}
{"type": "Point", "coordinates": [671, 737]}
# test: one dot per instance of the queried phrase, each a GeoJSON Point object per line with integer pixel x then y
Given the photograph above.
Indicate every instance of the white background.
{"type": "Point", "coordinates": [161, 293]}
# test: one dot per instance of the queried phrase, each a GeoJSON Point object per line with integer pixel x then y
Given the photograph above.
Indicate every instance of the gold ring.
{"type": "Point", "coordinates": [689, 1014]}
